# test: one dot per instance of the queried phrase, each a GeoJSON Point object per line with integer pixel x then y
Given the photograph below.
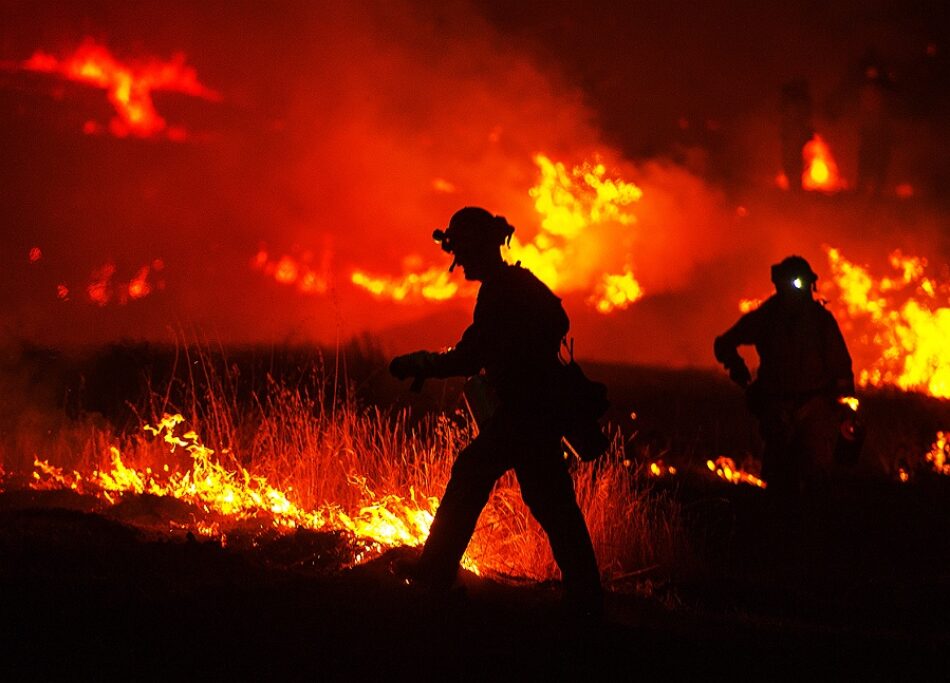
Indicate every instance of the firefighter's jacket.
{"type": "Point", "coordinates": [800, 347]}
{"type": "Point", "coordinates": [515, 336]}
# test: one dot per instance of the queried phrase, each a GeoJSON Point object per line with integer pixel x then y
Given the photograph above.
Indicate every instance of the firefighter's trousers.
{"type": "Point", "coordinates": [532, 448]}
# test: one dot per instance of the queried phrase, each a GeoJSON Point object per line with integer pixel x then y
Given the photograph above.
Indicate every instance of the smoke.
{"type": "Point", "coordinates": [345, 133]}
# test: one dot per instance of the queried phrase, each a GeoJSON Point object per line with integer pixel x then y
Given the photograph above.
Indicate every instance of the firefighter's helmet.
{"type": "Point", "coordinates": [473, 228]}
{"type": "Point", "coordinates": [793, 273]}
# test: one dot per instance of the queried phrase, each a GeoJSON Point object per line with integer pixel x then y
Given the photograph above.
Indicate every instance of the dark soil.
{"type": "Point", "coordinates": [86, 596]}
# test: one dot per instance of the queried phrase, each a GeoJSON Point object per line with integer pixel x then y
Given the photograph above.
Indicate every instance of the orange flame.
{"type": "Point", "coordinates": [661, 469]}
{"type": "Point", "coordinates": [904, 319]}
{"type": "Point", "coordinates": [849, 401]}
{"type": "Point", "coordinates": [572, 205]}
{"type": "Point", "coordinates": [102, 288]}
{"type": "Point", "coordinates": [569, 253]}
{"type": "Point", "coordinates": [433, 284]}
{"type": "Point", "coordinates": [896, 326]}
{"type": "Point", "coordinates": [939, 455]}
{"type": "Point", "coordinates": [234, 491]}
{"type": "Point", "coordinates": [129, 86]}
{"type": "Point", "coordinates": [821, 170]}
{"type": "Point", "coordinates": [725, 468]}
{"type": "Point", "coordinates": [616, 292]}
{"type": "Point", "coordinates": [748, 305]}
{"type": "Point", "coordinates": [296, 272]}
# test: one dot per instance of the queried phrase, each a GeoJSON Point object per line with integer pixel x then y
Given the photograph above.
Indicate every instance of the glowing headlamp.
{"type": "Point", "coordinates": [797, 283]}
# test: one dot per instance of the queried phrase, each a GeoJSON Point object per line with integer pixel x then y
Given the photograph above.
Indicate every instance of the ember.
{"type": "Point", "coordinates": [103, 289]}
{"type": "Point", "coordinates": [725, 468]}
{"type": "Point", "coordinates": [659, 468]}
{"type": "Point", "coordinates": [939, 455]}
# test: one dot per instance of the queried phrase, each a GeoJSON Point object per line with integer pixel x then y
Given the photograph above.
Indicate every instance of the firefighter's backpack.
{"type": "Point", "coordinates": [583, 403]}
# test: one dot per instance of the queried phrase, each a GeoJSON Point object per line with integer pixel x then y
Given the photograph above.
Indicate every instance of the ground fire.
{"type": "Point", "coordinates": [725, 468]}
{"type": "Point", "coordinates": [228, 497]}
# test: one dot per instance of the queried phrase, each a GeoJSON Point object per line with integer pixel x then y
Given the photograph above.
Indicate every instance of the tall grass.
{"type": "Point", "coordinates": [312, 439]}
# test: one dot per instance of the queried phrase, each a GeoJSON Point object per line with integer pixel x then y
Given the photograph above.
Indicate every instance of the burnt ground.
{"type": "Point", "coordinates": [87, 595]}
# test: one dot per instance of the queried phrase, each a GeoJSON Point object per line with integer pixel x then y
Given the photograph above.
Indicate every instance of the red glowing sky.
{"type": "Point", "coordinates": [339, 129]}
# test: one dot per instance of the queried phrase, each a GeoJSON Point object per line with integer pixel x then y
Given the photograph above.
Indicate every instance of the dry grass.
{"type": "Point", "coordinates": [314, 441]}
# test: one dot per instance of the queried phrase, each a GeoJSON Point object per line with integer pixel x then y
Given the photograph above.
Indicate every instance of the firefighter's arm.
{"type": "Point", "coordinates": [462, 360]}
{"type": "Point", "coordinates": [726, 349]}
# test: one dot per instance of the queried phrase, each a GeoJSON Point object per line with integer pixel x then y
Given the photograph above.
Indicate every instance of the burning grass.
{"type": "Point", "coordinates": [306, 454]}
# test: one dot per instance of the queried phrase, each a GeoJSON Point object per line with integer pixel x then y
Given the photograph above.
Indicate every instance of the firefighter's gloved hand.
{"type": "Point", "coordinates": [413, 364]}
{"type": "Point", "coordinates": [740, 375]}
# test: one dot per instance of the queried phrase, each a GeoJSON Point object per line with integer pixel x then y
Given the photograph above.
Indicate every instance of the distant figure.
{"type": "Point", "coordinates": [804, 367]}
{"type": "Point", "coordinates": [796, 130]}
{"type": "Point", "coordinates": [515, 338]}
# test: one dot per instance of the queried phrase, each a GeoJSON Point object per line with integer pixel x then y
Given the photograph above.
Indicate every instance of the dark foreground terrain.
{"type": "Point", "coordinates": [88, 596]}
{"type": "Point", "coordinates": [855, 587]}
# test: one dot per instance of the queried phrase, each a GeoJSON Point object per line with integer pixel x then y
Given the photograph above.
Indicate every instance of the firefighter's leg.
{"type": "Point", "coordinates": [473, 475]}
{"type": "Point", "coordinates": [548, 491]}
{"type": "Point", "coordinates": [817, 430]}
{"type": "Point", "coordinates": [780, 463]}
{"type": "Point", "coordinates": [781, 471]}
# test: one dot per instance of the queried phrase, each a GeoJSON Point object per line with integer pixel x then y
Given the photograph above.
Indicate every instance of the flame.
{"type": "Point", "coordinates": [725, 468]}
{"type": "Point", "coordinates": [102, 288]}
{"type": "Point", "coordinates": [571, 205]}
{"type": "Point", "coordinates": [904, 319]}
{"type": "Point", "coordinates": [569, 202]}
{"type": "Point", "coordinates": [748, 305]}
{"type": "Point", "coordinates": [849, 401]}
{"type": "Point", "coordinates": [235, 492]}
{"type": "Point", "coordinates": [296, 272]}
{"type": "Point", "coordinates": [570, 252]}
{"type": "Point", "coordinates": [35, 254]}
{"type": "Point", "coordinates": [139, 286]}
{"type": "Point", "coordinates": [661, 469]}
{"type": "Point", "coordinates": [821, 170]}
{"type": "Point", "coordinates": [896, 326]}
{"type": "Point", "coordinates": [360, 448]}
{"type": "Point", "coordinates": [99, 289]}
{"type": "Point", "coordinates": [433, 284]}
{"type": "Point", "coordinates": [129, 86]}
{"type": "Point", "coordinates": [939, 454]}
{"type": "Point", "coordinates": [616, 291]}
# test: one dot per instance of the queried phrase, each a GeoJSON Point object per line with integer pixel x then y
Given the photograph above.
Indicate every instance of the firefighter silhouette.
{"type": "Point", "coordinates": [514, 338]}
{"type": "Point", "coordinates": [804, 367]}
